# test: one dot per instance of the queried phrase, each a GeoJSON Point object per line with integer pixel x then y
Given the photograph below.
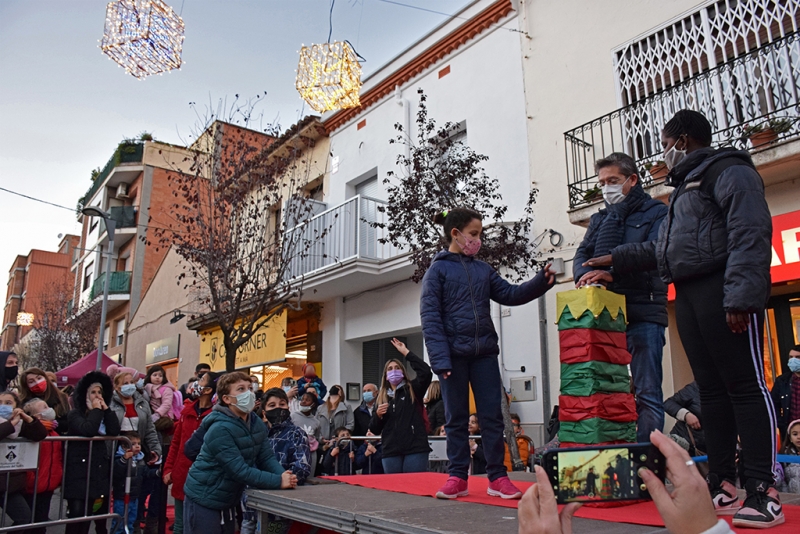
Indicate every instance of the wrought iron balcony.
{"type": "Point", "coordinates": [348, 236]}
{"type": "Point", "coordinates": [120, 284]}
{"type": "Point", "coordinates": [754, 92]}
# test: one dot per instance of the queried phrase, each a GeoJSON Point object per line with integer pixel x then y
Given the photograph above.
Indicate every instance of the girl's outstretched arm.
{"type": "Point", "coordinates": [508, 294]}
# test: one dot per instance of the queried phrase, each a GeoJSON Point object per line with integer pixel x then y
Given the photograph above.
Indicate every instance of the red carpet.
{"type": "Point", "coordinates": [426, 485]}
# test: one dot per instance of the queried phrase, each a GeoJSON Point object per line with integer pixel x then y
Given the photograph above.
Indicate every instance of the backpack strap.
{"type": "Point", "coordinates": [708, 180]}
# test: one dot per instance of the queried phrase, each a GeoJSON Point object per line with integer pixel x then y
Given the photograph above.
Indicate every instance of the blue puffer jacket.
{"type": "Point", "coordinates": [455, 310]}
{"type": "Point", "coordinates": [234, 455]}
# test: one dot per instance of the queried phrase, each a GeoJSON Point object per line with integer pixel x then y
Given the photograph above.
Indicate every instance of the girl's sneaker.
{"type": "Point", "coordinates": [723, 495]}
{"type": "Point", "coordinates": [761, 509]}
{"type": "Point", "coordinates": [503, 488]}
{"type": "Point", "coordinates": [453, 488]}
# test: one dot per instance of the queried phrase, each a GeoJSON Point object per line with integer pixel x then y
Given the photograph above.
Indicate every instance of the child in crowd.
{"type": "Point", "coordinates": [139, 471]}
{"type": "Point", "coordinates": [306, 418]}
{"type": "Point", "coordinates": [161, 392]}
{"type": "Point", "coordinates": [476, 447]}
{"type": "Point", "coordinates": [51, 466]}
{"type": "Point", "coordinates": [14, 424]}
{"type": "Point", "coordinates": [791, 446]}
{"type": "Point", "coordinates": [177, 466]}
{"type": "Point", "coordinates": [310, 380]}
{"type": "Point", "coordinates": [235, 453]}
{"type": "Point", "coordinates": [369, 457]}
{"type": "Point", "coordinates": [457, 291]}
{"type": "Point", "coordinates": [289, 443]}
{"type": "Point", "coordinates": [91, 417]}
{"type": "Point", "coordinates": [339, 460]}
{"type": "Point", "coordinates": [522, 444]}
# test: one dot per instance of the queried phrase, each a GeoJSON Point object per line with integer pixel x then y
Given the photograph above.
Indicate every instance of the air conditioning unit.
{"type": "Point", "coordinates": [122, 190]}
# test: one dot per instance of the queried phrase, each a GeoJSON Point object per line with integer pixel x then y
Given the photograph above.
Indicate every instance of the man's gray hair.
{"type": "Point", "coordinates": [625, 163]}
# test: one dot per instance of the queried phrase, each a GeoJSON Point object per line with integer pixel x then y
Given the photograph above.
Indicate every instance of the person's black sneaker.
{"type": "Point", "coordinates": [762, 507]}
{"type": "Point", "coordinates": [723, 495]}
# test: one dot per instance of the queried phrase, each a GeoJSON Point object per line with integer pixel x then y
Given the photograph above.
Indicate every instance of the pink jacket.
{"type": "Point", "coordinates": [160, 398]}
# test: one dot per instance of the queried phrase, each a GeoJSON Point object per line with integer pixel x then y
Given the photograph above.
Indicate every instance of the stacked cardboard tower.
{"type": "Point", "coordinates": [596, 406]}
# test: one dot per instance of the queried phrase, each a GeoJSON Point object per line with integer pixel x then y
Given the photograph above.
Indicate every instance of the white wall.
{"type": "Point", "coordinates": [569, 80]}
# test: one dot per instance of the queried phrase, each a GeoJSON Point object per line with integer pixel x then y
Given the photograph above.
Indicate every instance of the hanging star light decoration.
{"type": "Point", "coordinates": [143, 36]}
{"type": "Point", "coordinates": [329, 76]}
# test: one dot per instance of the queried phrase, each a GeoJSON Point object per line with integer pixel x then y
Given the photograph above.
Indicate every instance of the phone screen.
{"type": "Point", "coordinates": [596, 475]}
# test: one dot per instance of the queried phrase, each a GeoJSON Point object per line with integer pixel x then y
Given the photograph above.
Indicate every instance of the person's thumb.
{"type": "Point", "coordinates": [656, 488]}
{"type": "Point", "coordinates": [566, 517]}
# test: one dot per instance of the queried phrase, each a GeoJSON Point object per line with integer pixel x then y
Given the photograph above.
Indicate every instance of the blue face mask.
{"type": "Point", "coordinates": [140, 383]}
{"type": "Point", "coordinates": [127, 390]}
{"type": "Point", "coordinates": [287, 389]}
{"type": "Point", "coordinates": [369, 396]}
{"type": "Point", "coordinates": [5, 411]}
{"type": "Point", "coordinates": [794, 365]}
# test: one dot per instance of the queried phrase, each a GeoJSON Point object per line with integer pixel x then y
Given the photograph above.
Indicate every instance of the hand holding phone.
{"type": "Point", "coordinates": [538, 512]}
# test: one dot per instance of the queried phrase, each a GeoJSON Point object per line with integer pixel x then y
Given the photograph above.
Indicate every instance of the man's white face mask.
{"type": "Point", "coordinates": [612, 193]}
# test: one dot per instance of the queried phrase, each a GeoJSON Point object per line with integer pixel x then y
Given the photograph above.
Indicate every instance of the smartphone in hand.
{"type": "Point", "coordinates": [606, 473]}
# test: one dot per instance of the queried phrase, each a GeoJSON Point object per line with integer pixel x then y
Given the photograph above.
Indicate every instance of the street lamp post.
{"type": "Point", "coordinates": [111, 226]}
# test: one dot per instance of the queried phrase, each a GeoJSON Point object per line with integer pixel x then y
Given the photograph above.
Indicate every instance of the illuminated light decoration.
{"type": "Point", "coordinates": [329, 76]}
{"type": "Point", "coordinates": [143, 36]}
{"type": "Point", "coordinates": [24, 319]}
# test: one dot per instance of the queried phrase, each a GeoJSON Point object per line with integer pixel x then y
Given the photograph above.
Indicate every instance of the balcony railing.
{"type": "Point", "coordinates": [348, 235]}
{"type": "Point", "coordinates": [120, 284]}
{"type": "Point", "coordinates": [124, 216]}
{"type": "Point", "coordinates": [748, 91]}
{"type": "Point", "coordinates": [125, 153]}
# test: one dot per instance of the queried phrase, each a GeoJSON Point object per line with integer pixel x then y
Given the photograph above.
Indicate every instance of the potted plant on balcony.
{"type": "Point", "coordinates": [593, 194]}
{"type": "Point", "coordinates": [658, 170]}
{"type": "Point", "coordinates": [760, 134]}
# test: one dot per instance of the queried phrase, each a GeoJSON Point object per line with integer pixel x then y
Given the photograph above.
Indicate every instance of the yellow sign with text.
{"type": "Point", "coordinates": [268, 345]}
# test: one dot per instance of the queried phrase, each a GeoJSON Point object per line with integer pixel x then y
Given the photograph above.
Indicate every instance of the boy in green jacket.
{"type": "Point", "coordinates": [236, 453]}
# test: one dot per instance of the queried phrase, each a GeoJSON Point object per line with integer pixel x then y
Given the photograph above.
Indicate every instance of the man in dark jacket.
{"type": "Point", "coordinates": [786, 393]}
{"type": "Point", "coordinates": [685, 407]}
{"type": "Point", "coordinates": [715, 245]}
{"type": "Point", "coordinates": [630, 216]}
{"type": "Point", "coordinates": [363, 414]}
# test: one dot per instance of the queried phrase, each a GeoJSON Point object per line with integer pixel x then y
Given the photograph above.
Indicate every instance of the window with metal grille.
{"type": "Point", "coordinates": [716, 33]}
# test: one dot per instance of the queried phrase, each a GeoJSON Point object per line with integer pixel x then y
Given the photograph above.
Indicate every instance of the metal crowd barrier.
{"type": "Point", "coordinates": [61, 520]}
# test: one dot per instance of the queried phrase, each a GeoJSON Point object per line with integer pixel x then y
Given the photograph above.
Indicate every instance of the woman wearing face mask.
{"type": "Point", "coordinates": [334, 413]}
{"type": "Point", "coordinates": [90, 417]}
{"type": "Point", "coordinates": [50, 467]}
{"type": "Point", "coordinates": [235, 453]}
{"type": "Point", "coordinates": [715, 245]}
{"type": "Point", "coordinates": [134, 414]}
{"type": "Point", "coordinates": [306, 418]}
{"type": "Point", "coordinates": [177, 465]}
{"type": "Point", "coordinates": [400, 416]}
{"type": "Point", "coordinates": [455, 309]}
{"type": "Point", "coordinates": [34, 384]}
{"type": "Point", "coordinates": [8, 369]}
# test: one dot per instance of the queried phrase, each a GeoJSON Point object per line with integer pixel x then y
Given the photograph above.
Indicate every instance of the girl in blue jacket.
{"type": "Point", "coordinates": [463, 346]}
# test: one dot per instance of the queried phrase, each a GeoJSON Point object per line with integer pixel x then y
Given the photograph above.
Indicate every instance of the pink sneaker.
{"type": "Point", "coordinates": [503, 488]}
{"type": "Point", "coordinates": [453, 488]}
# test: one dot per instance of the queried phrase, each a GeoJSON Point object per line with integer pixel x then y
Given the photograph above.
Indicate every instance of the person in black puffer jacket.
{"type": "Point", "coordinates": [91, 417]}
{"type": "Point", "coordinates": [716, 246]}
{"type": "Point", "coordinates": [685, 407]}
{"type": "Point", "coordinates": [400, 416]}
{"type": "Point", "coordinates": [631, 216]}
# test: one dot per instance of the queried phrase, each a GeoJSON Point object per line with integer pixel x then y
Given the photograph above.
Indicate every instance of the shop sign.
{"type": "Point", "coordinates": [162, 350]}
{"type": "Point", "coordinates": [267, 345]}
{"type": "Point", "coordinates": [17, 455]}
{"type": "Point", "coordinates": [785, 247]}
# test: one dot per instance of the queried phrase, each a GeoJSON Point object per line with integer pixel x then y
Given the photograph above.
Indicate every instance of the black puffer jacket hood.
{"type": "Point", "coordinates": [85, 383]}
{"type": "Point", "coordinates": [3, 380]}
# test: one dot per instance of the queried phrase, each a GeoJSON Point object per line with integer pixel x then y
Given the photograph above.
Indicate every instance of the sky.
{"type": "Point", "coordinates": [64, 106]}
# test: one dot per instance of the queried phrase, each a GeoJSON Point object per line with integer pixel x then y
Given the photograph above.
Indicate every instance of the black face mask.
{"type": "Point", "coordinates": [11, 372]}
{"type": "Point", "coordinates": [277, 416]}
